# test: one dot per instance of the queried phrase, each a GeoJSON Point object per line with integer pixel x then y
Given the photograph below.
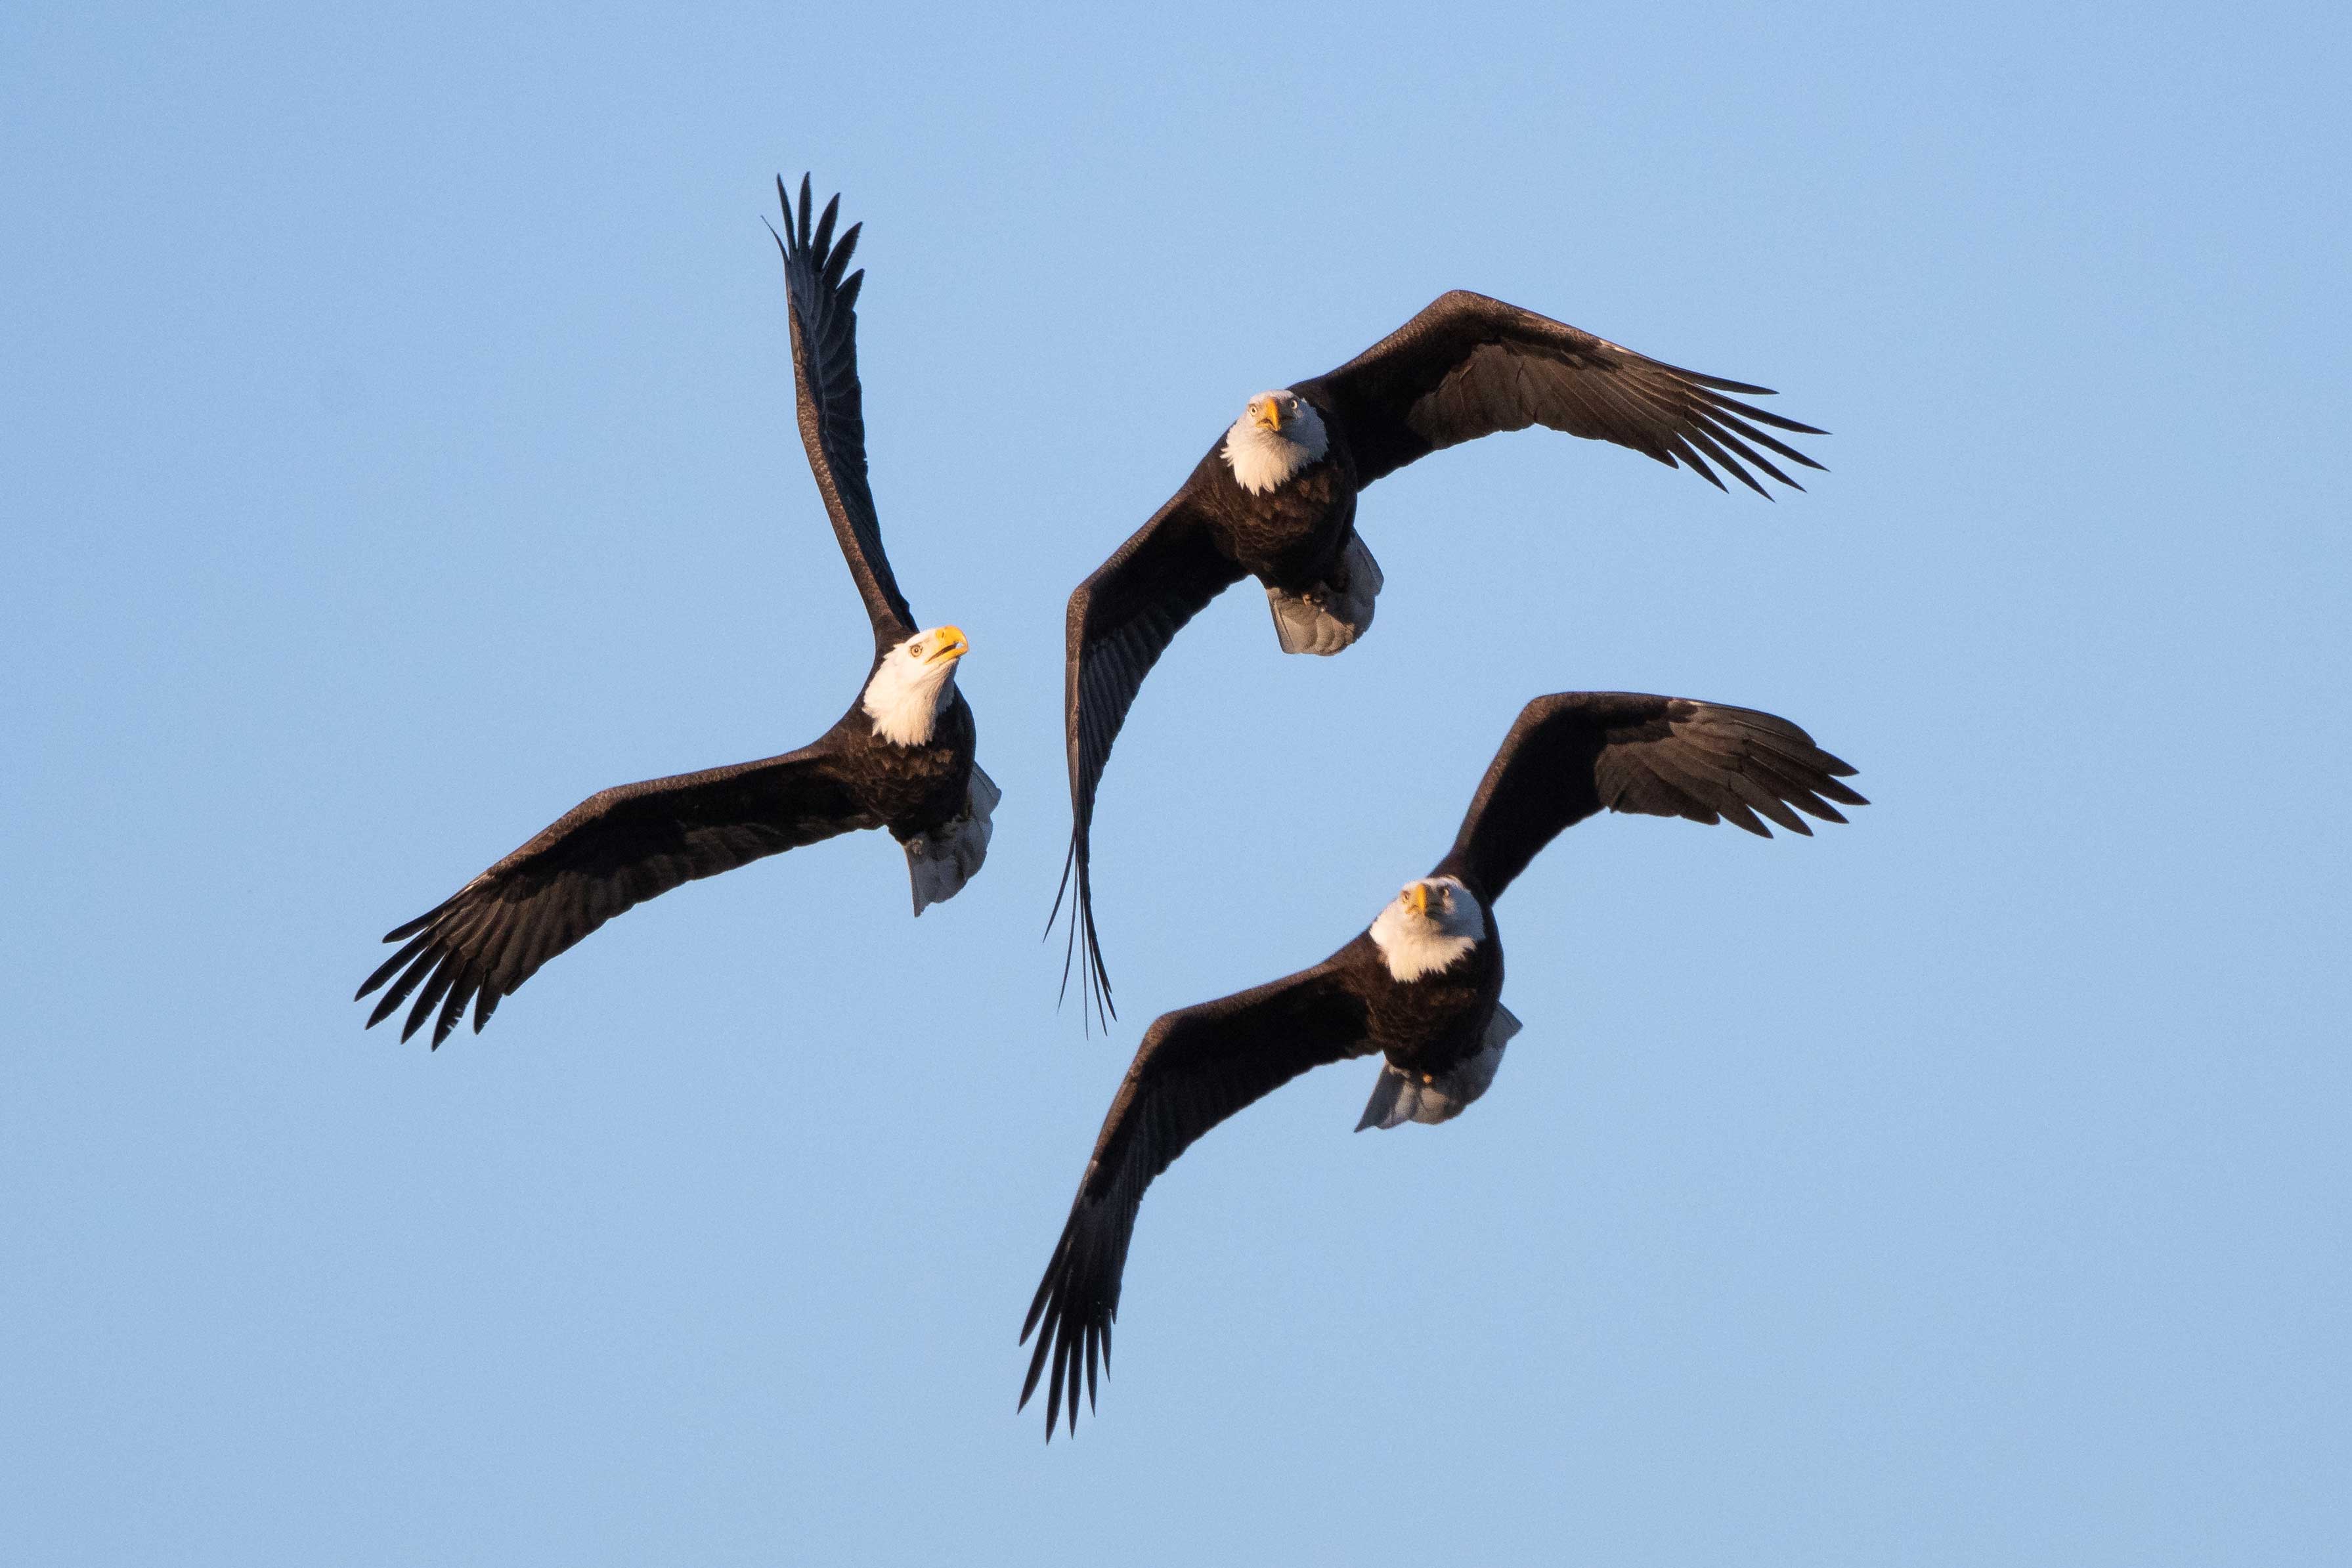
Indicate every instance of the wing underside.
{"type": "Point", "coordinates": [613, 850]}
{"type": "Point", "coordinates": [824, 319]}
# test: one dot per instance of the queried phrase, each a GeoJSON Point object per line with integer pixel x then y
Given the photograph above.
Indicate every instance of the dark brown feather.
{"type": "Point", "coordinates": [824, 319]}
{"type": "Point", "coordinates": [1120, 620]}
{"type": "Point", "coordinates": [616, 848]}
{"type": "Point", "coordinates": [1195, 1067]}
{"type": "Point", "coordinates": [1470, 366]}
{"type": "Point", "coordinates": [1574, 754]}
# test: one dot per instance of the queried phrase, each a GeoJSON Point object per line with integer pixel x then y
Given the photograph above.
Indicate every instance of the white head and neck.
{"type": "Point", "coordinates": [1429, 926]}
{"type": "Point", "coordinates": [913, 685]}
{"type": "Point", "coordinates": [1277, 435]}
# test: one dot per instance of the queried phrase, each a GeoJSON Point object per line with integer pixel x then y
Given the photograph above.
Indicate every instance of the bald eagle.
{"type": "Point", "coordinates": [1275, 498]}
{"type": "Point", "coordinates": [901, 758]}
{"type": "Point", "coordinates": [1422, 987]}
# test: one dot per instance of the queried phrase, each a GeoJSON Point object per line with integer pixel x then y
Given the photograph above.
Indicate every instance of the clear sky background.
{"type": "Point", "coordinates": [395, 446]}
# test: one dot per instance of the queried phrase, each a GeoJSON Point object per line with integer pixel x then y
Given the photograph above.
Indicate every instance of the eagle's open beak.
{"type": "Point", "coordinates": [951, 645]}
{"type": "Point", "coordinates": [1266, 413]}
{"type": "Point", "coordinates": [1416, 899]}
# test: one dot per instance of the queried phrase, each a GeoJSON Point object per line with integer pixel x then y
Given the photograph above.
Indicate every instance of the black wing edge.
{"type": "Point", "coordinates": [464, 982]}
{"type": "Point", "coordinates": [1690, 408]}
{"type": "Point", "coordinates": [610, 853]}
{"type": "Point", "coordinates": [1573, 753]}
{"type": "Point", "coordinates": [1082, 948]}
{"type": "Point", "coordinates": [1195, 1068]}
{"type": "Point", "coordinates": [1126, 615]}
{"type": "Point", "coordinates": [1713, 426]}
{"type": "Point", "coordinates": [830, 401]}
{"type": "Point", "coordinates": [1077, 1332]}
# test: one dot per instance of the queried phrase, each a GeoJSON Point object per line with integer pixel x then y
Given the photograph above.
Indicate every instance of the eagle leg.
{"type": "Point", "coordinates": [941, 862]}
{"type": "Point", "coordinates": [1399, 1097]}
{"type": "Point", "coordinates": [1328, 617]}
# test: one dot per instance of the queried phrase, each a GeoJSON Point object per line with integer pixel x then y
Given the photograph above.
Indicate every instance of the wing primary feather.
{"type": "Point", "coordinates": [838, 262]}
{"type": "Point", "coordinates": [1469, 366]}
{"type": "Point", "coordinates": [398, 933]}
{"type": "Point", "coordinates": [460, 993]}
{"type": "Point", "coordinates": [1724, 433]}
{"type": "Point", "coordinates": [1697, 434]}
{"type": "Point", "coordinates": [1069, 859]}
{"type": "Point", "coordinates": [1794, 791]}
{"type": "Point", "coordinates": [1046, 1287]}
{"type": "Point", "coordinates": [396, 961]}
{"type": "Point", "coordinates": [1721, 413]}
{"type": "Point", "coordinates": [1195, 1068]}
{"type": "Point", "coordinates": [613, 850]}
{"type": "Point", "coordinates": [444, 973]}
{"type": "Point", "coordinates": [1692, 771]}
{"type": "Point", "coordinates": [397, 992]}
{"type": "Point", "coordinates": [1715, 383]}
{"type": "Point", "coordinates": [492, 954]}
{"type": "Point", "coordinates": [1738, 815]}
{"type": "Point", "coordinates": [391, 999]}
{"type": "Point", "coordinates": [1572, 753]}
{"type": "Point", "coordinates": [1096, 1006]}
{"type": "Point", "coordinates": [1778, 422]}
{"type": "Point", "coordinates": [1688, 454]}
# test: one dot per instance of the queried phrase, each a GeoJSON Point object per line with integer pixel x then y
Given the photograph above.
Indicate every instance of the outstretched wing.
{"type": "Point", "coordinates": [613, 849]}
{"type": "Point", "coordinates": [833, 421]}
{"type": "Point", "coordinates": [1195, 1067]}
{"type": "Point", "coordinates": [1120, 621]}
{"type": "Point", "coordinates": [1469, 366]}
{"type": "Point", "coordinates": [1576, 752]}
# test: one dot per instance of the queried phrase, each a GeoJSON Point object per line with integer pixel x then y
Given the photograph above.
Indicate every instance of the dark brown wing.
{"type": "Point", "coordinates": [1469, 366]}
{"type": "Point", "coordinates": [613, 849]}
{"type": "Point", "coordinates": [1577, 753]}
{"type": "Point", "coordinates": [1120, 621]}
{"type": "Point", "coordinates": [1195, 1067]}
{"type": "Point", "coordinates": [833, 421]}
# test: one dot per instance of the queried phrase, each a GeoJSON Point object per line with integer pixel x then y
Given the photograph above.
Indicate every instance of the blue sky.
{"type": "Point", "coordinates": [398, 447]}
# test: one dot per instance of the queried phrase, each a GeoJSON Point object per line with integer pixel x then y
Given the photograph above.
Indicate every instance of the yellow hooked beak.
{"type": "Point", "coordinates": [1416, 899]}
{"type": "Point", "coordinates": [1266, 413]}
{"type": "Point", "coordinates": [950, 645]}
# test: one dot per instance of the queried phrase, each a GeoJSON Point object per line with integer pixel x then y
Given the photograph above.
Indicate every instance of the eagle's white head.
{"type": "Point", "coordinates": [1277, 435]}
{"type": "Point", "coordinates": [912, 685]}
{"type": "Point", "coordinates": [1428, 926]}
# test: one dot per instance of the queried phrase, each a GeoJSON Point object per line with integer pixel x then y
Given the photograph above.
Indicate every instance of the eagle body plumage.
{"type": "Point", "coordinates": [1433, 1023]}
{"type": "Point", "coordinates": [1291, 536]}
{"type": "Point", "coordinates": [910, 790]}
